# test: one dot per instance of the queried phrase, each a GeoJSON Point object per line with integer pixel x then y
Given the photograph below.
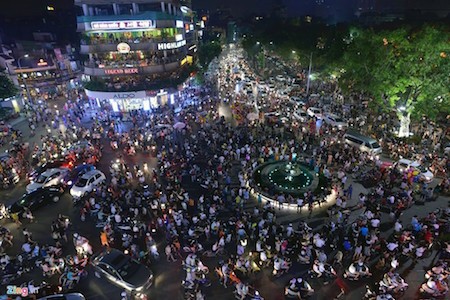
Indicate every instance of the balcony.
{"type": "Point", "coordinates": [92, 70]}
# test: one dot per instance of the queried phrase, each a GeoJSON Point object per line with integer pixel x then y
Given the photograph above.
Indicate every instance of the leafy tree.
{"type": "Point", "coordinates": [405, 69]}
{"type": "Point", "coordinates": [207, 52]}
{"type": "Point", "coordinates": [7, 87]}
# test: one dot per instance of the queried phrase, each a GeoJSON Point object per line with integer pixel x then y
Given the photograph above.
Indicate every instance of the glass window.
{"type": "Point", "coordinates": [82, 182]}
{"type": "Point", "coordinates": [125, 9]}
{"type": "Point", "coordinates": [104, 10]}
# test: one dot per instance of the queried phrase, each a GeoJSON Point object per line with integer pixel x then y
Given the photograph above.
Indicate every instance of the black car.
{"type": "Point", "coordinates": [36, 199]}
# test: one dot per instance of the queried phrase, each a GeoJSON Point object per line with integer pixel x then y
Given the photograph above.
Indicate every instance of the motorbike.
{"type": "Point", "coordinates": [327, 271]}
{"type": "Point", "coordinates": [280, 266]}
{"type": "Point", "coordinates": [11, 272]}
{"type": "Point", "coordinates": [298, 289]}
{"type": "Point", "coordinates": [393, 284]}
{"type": "Point", "coordinates": [357, 270]}
{"type": "Point", "coordinates": [372, 295]}
{"type": "Point", "coordinates": [434, 288]}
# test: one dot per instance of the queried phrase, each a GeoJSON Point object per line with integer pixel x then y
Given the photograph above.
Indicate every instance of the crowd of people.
{"type": "Point", "coordinates": [200, 204]}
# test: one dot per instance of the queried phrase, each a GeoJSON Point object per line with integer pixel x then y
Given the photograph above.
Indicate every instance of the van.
{"type": "Point", "coordinates": [363, 143]}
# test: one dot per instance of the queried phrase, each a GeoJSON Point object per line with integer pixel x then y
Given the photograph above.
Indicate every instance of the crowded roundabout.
{"type": "Point", "coordinates": [202, 201]}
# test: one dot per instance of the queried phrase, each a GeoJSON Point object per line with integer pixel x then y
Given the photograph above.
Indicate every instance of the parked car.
{"type": "Point", "coordinates": [314, 112]}
{"type": "Point", "coordinates": [51, 177]}
{"type": "Point", "coordinates": [69, 296]}
{"type": "Point", "coordinates": [76, 173]}
{"type": "Point", "coordinates": [424, 173]}
{"type": "Point", "coordinates": [335, 121]}
{"type": "Point", "coordinates": [36, 199]}
{"type": "Point", "coordinates": [87, 183]}
{"type": "Point", "coordinates": [300, 115]}
{"type": "Point", "coordinates": [122, 270]}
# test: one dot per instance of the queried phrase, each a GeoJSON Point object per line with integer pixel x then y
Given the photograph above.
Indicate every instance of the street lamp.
{"type": "Point", "coordinates": [309, 75]}
{"type": "Point", "coordinates": [23, 77]}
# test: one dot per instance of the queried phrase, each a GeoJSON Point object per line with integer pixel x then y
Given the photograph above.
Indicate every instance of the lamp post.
{"type": "Point", "coordinates": [23, 78]}
{"type": "Point", "coordinates": [309, 75]}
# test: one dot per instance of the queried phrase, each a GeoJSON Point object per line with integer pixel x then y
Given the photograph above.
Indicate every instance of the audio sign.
{"type": "Point", "coordinates": [121, 71]}
{"type": "Point", "coordinates": [130, 24]}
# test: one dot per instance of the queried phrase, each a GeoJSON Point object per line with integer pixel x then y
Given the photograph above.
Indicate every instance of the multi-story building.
{"type": "Point", "coordinates": [132, 48]}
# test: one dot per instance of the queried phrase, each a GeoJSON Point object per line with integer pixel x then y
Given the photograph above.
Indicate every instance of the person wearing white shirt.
{"type": "Point", "coordinates": [419, 251]}
{"type": "Point", "coordinates": [398, 226]}
{"type": "Point", "coordinates": [392, 246]}
{"type": "Point", "coordinates": [375, 222]}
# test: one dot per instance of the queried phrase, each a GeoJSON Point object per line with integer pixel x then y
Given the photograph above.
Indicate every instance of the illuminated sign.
{"type": "Point", "coordinates": [178, 37]}
{"type": "Point", "coordinates": [123, 24]}
{"type": "Point", "coordinates": [179, 24]}
{"type": "Point", "coordinates": [121, 71]}
{"type": "Point", "coordinates": [124, 95]}
{"type": "Point", "coordinates": [123, 48]}
{"type": "Point", "coordinates": [173, 45]}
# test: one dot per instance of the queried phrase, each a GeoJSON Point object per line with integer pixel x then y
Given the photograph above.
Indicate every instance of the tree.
{"type": "Point", "coordinates": [405, 69]}
{"type": "Point", "coordinates": [7, 87]}
{"type": "Point", "coordinates": [207, 52]}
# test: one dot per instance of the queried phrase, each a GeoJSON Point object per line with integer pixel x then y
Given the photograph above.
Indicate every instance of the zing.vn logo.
{"type": "Point", "coordinates": [17, 290]}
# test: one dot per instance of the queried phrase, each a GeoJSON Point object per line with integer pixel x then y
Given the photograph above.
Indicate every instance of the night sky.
{"type": "Point", "coordinates": [240, 7]}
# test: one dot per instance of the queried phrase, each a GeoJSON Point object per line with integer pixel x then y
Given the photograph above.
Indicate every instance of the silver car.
{"type": "Point", "coordinates": [122, 270]}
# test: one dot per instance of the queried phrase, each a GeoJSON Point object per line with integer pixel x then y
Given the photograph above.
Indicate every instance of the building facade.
{"type": "Point", "coordinates": [130, 46]}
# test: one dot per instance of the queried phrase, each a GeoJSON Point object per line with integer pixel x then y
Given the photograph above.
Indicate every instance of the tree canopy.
{"type": "Point", "coordinates": [406, 69]}
{"type": "Point", "coordinates": [7, 87]}
{"type": "Point", "coordinates": [207, 52]}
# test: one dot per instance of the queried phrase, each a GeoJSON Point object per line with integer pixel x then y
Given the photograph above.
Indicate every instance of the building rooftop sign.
{"type": "Point", "coordinates": [130, 24]}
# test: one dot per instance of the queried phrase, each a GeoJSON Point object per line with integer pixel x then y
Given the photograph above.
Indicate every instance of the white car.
{"type": "Point", "coordinates": [50, 177]}
{"type": "Point", "coordinates": [87, 183]}
{"type": "Point", "coordinates": [335, 121]}
{"type": "Point", "coordinates": [314, 112]}
{"type": "Point", "coordinates": [300, 115]}
{"type": "Point", "coordinates": [424, 173]}
{"type": "Point", "coordinates": [297, 101]}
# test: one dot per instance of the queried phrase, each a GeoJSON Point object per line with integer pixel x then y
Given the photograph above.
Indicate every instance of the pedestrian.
{"type": "Point", "coordinates": [15, 217]}
{"type": "Point", "coordinates": [169, 253]}
{"type": "Point", "coordinates": [104, 239]}
{"type": "Point", "coordinates": [28, 215]}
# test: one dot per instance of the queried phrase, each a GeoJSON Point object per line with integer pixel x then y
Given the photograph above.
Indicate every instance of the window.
{"type": "Point", "coordinates": [125, 9]}
{"type": "Point", "coordinates": [104, 10]}
{"type": "Point", "coordinates": [354, 140]}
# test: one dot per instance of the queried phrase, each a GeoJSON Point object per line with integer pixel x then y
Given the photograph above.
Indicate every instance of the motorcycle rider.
{"type": "Point", "coordinates": [318, 268]}
{"type": "Point", "coordinates": [393, 282]}
{"type": "Point", "coordinates": [357, 269]}
{"type": "Point", "coordinates": [242, 290]}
